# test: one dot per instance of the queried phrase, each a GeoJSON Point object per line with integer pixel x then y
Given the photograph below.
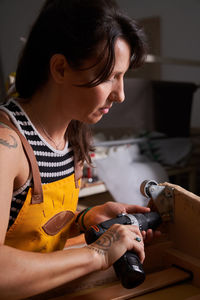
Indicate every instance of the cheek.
{"type": "Point", "coordinates": [96, 99]}
{"type": "Point", "coordinates": [101, 94]}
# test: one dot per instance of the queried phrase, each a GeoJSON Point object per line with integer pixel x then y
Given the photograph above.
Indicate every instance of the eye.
{"type": "Point", "coordinates": [110, 79]}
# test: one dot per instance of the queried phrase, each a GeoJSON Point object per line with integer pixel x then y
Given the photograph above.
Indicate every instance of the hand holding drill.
{"type": "Point", "coordinates": [128, 267]}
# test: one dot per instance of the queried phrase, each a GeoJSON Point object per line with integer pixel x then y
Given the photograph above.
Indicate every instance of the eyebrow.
{"type": "Point", "coordinates": [119, 72]}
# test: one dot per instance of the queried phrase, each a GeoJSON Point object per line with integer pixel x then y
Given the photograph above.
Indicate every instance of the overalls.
{"type": "Point", "coordinates": [43, 222]}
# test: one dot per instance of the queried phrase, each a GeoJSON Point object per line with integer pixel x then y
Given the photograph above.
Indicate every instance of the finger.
{"type": "Point", "coordinates": [133, 234]}
{"type": "Point", "coordinates": [141, 256]}
{"type": "Point", "coordinates": [136, 209]}
{"type": "Point", "coordinates": [144, 234]}
{"type": "Point", "coordinates": [137, 236]}
{"type": "Point", "coordinates": [134, 229]}
{"type": "Point", "coordinates": [138, 248]}
{"type": "Point", "coordinates": [149, 236]}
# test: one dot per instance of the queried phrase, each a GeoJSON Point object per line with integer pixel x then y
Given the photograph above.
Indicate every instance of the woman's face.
{"type": "Point", "coordinates": [88, 105]}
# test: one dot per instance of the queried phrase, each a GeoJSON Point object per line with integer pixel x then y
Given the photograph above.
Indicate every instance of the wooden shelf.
{"type": "Point", "coordinates": [92, 189]}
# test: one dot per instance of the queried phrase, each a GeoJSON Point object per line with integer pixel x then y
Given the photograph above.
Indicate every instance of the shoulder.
{"type": "Point", "coordinates": [13, 160]}
{"type": "Point", "coordinates": [9, 139]}
{"type": "Point", "coordinates": [12, 157]}
{"type": "Point", "coordinates": [11, 150]}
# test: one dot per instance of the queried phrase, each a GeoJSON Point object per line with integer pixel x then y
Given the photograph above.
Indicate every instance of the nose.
{"type": "Point", "coordinates": [117, 94]}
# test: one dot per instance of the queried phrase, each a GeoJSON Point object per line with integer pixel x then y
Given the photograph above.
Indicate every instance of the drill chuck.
{"type": "Point", "coordinates": [145, 186]}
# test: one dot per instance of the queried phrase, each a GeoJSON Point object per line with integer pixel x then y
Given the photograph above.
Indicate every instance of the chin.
{"type": "Point", "coordinates": [93, 120]}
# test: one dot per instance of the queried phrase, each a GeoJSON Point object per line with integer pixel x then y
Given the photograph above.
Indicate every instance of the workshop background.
{"type": "Point", "coordinates": [170, 79]}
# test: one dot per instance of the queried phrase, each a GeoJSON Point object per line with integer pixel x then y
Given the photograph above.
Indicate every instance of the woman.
{"type": "Point", "coordinates": [69, 75]}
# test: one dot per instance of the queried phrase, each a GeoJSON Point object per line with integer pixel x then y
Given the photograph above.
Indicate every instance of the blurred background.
{"type": "Point", "coordinates": [172, 26]}
{"type": "Point", "coordinates": [163, 97]}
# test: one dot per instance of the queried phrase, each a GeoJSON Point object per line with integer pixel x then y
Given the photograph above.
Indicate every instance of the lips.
{"type": "Point", "coordinates": [105, 110]}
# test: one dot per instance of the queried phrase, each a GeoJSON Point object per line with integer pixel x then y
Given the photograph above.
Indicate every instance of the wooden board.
{"type": "Point", "coordinates": [185, 229]}
{"type": "Point", "coordinates": [185, 261]}
{"type": "Point", "coordinates": [196, 297]}
{"type": "Point", "coordinates": [115, 291]}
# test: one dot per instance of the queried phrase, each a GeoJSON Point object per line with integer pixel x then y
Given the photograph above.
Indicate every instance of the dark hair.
{"type": "Point", "coordinates": [77, 29]}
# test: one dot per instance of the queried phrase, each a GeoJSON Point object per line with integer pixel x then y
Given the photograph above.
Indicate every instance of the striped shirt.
{"type": "Point", "coordinates": [53, 164]}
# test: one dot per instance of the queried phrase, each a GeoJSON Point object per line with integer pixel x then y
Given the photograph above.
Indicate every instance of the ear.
{"type": "Point", "coordinates": [58, 66]}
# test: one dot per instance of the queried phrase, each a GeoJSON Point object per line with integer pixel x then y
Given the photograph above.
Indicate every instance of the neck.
{"type": "Point", "coordinates": [59, 144]}
{"type": "Point", "coordinates": [47, 119]}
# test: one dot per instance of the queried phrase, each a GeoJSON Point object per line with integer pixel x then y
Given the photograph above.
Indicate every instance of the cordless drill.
{"type": "Point", "coordinates": [128, 268]}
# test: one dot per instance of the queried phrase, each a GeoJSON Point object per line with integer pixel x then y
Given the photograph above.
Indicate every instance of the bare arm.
{"type": "Point", "coordinates": [9, 158]}
{"type": "Point", "coordinates": [26, 273]}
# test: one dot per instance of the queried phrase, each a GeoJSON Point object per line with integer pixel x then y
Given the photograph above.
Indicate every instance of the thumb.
{"type": "Point", "coordinates": [136, 209]}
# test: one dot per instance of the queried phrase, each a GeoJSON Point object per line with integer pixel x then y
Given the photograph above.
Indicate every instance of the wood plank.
{"type": "Point", "coordinates": [196, 297]}
{"type": "Point", "coordinates": [185, 228]}
{"type": "Point", "coordinates": [185, 261]}
{"type": "Point", "coordinates": [115, 291]}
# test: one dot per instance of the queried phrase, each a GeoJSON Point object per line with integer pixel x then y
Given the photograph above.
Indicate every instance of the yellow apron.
{"type": "Point", "coordinates": [44, 221]}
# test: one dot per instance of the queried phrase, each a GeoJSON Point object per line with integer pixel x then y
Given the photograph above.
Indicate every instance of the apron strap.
{"type": "Point", "coordinates": [37, 193]}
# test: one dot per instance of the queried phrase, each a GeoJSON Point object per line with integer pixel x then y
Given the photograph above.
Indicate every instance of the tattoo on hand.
{"type": "Point", "coordinates": [7, 144]}
{"type": "Point", "coordinates": [102, 245]}
{"type": "Point", "coordinates": [106, 240]}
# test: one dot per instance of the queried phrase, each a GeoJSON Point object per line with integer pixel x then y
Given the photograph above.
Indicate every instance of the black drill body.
{"type": "Point", "coordinates": [128, 268]}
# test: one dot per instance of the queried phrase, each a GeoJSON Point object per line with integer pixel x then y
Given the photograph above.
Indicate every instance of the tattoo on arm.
{"type": "Point", "coordinates": [2, 125]}
{"type": "Point", "coordinates": [6, 143]}
{"type": "Point", "coordinates": [99, 251]}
